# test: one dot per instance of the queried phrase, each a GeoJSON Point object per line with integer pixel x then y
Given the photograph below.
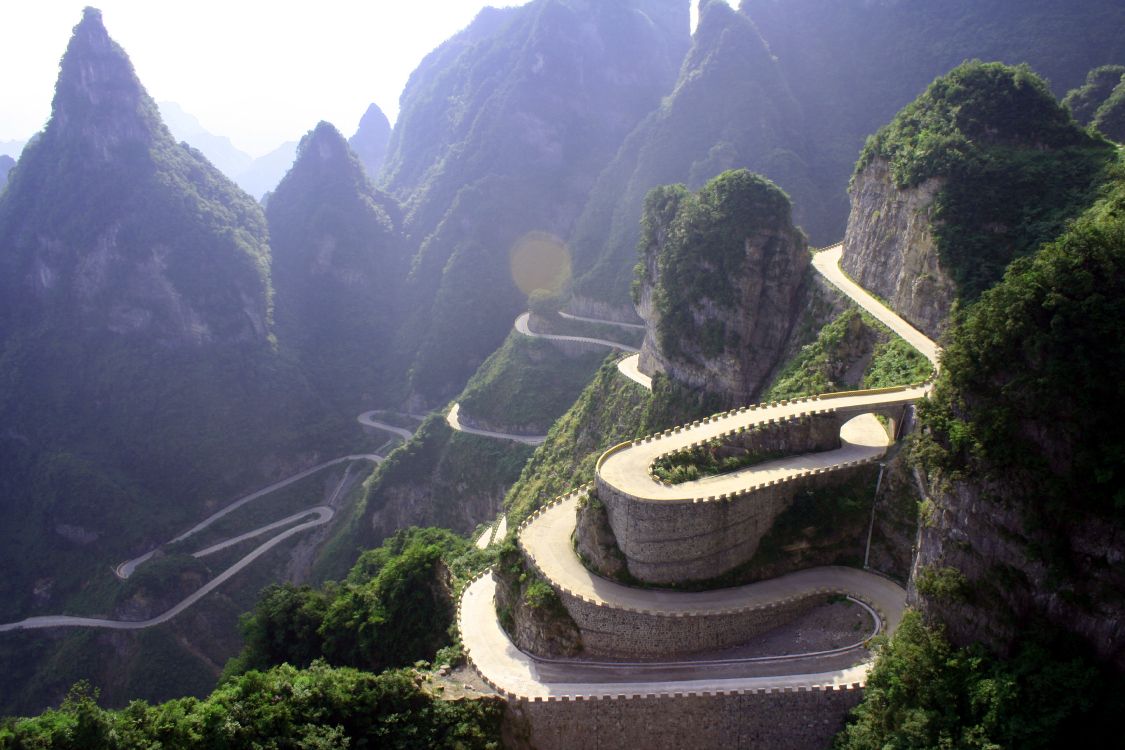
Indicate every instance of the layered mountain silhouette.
{"type": "Point", "coordinates": [142, 377]}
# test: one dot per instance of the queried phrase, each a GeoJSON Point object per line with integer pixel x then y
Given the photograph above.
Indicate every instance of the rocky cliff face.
{"type": "Point", "coordinates": [889, 248]}
{"type": "Point", "coordinates": [721, 284]}
{"type": "Point", "coordinates": [371, 140]}
{"type": "Point", "coordinates": [531, 612]}
{"type": "Point", "coordinates": [1011, 570]}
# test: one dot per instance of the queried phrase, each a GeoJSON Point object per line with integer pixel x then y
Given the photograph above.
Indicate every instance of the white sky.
{"type": "Point", "coordinates": [256, 71]}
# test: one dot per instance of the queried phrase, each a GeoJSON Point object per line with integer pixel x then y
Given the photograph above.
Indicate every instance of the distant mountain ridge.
{"type": "Point", "coordinates": [371, 140]}
{"type": "Point", "coordinates": [256, 176]}
{"type": "Point", "coordinates": [230, 160]}
{"type": "Point", "coordinates": [6, 164]}
{"type": "Point", "coordinates": [12, 148]}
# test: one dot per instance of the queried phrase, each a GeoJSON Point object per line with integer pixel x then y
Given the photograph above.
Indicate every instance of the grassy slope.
{"type": "Point", "coordinates": [527, 383]}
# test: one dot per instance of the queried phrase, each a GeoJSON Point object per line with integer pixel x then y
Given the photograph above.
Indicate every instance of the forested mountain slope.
{"type": "Point", "coordinates": [503, 131]}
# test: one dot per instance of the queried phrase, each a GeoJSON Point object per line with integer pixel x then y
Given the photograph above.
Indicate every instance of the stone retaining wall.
{"type": "Point", "coordinates": [607, 631]}
{"type": "Point", "coordinates": [674, 542]}
{"type": "Point", "coordinates": [776, 720]}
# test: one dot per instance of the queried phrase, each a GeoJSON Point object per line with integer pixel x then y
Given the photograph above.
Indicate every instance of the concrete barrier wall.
{"type": "Point", "coordinates": [671, 542]}
{"type": "Point", "coordinates": [794, 720]}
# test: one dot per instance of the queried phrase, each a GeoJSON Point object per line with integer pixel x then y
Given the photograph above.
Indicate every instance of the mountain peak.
{"type": "Point", "coordinates": [326, 163]}
{"type": "Point", "coordinates": [374, 118]}
{"type": "Point", "coordinates": [371, 140]}
{"type": "Point", "coordinates": [324, 143]}
{"type": "Point", "coordinates": [98, 97]}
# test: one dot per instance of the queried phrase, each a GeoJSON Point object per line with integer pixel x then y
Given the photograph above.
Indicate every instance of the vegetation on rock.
{"type": "Point", "coordinates": [853, 351]}
{"type": "Point", "coordinates": [731, 108]}
{"type": "Point", "coordinates": [1014, 165]}
{"type": "Point", "coordinates": [1024, 381]}
{"type": "Point", "coordinates": [610, 410]}
{"type": "Point", "coordinates": [527, 384]}
{"type": "Point", "coordinates": [1110, 117]}
{"type": "Point", "coordinates": [701, 244]}
{"type": "Point", "coordinates": [395, 607]}
{"type": "Point", "coordinates": [924, 693]}
{"type": "Point", "coordinates": [1084, 101]}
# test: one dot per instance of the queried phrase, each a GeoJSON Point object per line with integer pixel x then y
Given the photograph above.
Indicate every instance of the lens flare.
{"type": "Point", "coordinates": [540, 260]}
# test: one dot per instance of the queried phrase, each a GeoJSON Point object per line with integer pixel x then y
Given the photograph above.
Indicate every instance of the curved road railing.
{"type": "Point", "coordinates": [545, 539]}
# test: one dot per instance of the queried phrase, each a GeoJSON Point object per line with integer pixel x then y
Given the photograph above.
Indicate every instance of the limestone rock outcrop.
{"type": "Point", "coordinates": [890, 249]}
{"type": "Point", "coordinates": [722, 279]}
{"type": "Point", "coordinates": [1069, 572]}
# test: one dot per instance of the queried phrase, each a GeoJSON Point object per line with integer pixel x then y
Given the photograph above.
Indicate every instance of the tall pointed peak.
{"type": "Point", "coordinates": [374, 119]}
{"type": "Point", "coordinates": [98, 96]}
{"type": "Point", "coordinates": [371, 140]}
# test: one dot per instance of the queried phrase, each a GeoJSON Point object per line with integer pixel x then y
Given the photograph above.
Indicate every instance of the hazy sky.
{"type": "Point", "coordinates": [260, 72]}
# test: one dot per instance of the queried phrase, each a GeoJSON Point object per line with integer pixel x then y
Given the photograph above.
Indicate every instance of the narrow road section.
{"type": "Point", "coordinates": [630, 367]}
{"type": "Point", "coordinates": [523, 326]}
{"type": "Point", "coordinates": [367, 419]}
{"type": "Point", "coordinates": [602, 321]}
{"type": "Point", "coordinates": [453, 418]}
{"type": "Point", "coordinates": [323, 516]}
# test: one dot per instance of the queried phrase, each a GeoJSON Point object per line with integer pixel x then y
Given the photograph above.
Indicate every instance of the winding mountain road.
{"type": "Point", "coordinates": [453, 418]}
{"type": "Point", "coordinates": [546, 540]}
{"type": "Point", "coordinates": [628, 367]}
{"type": "Point", "coordinates": [367, 419]}
{"type": "Point", "coordinates": [322, 514]}
{"type": "Point", "coordinates": [523, 326]}
{"type": "Point", "coordinates": [126, 569]}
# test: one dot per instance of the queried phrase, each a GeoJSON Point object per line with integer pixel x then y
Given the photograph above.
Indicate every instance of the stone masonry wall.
{"type": "Point", "coordinates": [816, 432]}
{"type": "Point", "coordinates": [778, 720]}
{"type": "Point", "coordinates": [674, 542]}
{"type": "Point", "coordinates": [607, 631]}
